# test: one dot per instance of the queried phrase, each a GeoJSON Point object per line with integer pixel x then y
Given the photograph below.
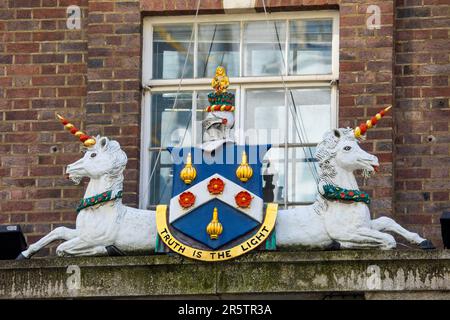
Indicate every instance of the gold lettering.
{"type": "Point", "coordinates": [248, 245]}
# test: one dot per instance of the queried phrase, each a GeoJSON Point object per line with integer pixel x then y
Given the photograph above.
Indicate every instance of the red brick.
{"type": "Point", "coordinates": [50, 13]}
{"type": "Point", "coordinates": [48, 81]}
{"type": "Point", "coordinates": [22, 47]}
{"type": "Point", "coordinates": [21, 115]}
{"type": "Point", "coordinates": [22, 93]}
{"type": "Point", "coordinates": [14, 206]}
{"type": "Point", "coordinates": [46, 171]}
{"type": "Point", "coordinates": [101, 6]}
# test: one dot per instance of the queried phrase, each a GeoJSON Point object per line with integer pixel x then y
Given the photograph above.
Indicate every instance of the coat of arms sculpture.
{"type": "Point", "coordinates": [217, 210]}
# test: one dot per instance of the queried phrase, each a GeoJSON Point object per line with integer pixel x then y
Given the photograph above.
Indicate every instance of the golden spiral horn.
{"type": "Point", "coordinates": [88, 141]}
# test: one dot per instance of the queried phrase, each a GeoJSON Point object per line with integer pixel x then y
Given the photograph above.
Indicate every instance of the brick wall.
{"type": "Point", "coordinates": [42, 70]}
{"type": "Point", "coordinates": [422, 114]}
{"type": "Point", "coordinates": [114, 64]}
{"type": "Point", "coordinates": [365, 87]}
{"type": "Point", "coordinates": [366, 72]}
{"type": "Point", "coordinates": [92, 76]}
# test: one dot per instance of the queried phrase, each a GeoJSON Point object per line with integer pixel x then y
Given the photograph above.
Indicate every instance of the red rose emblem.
{"type": "Point", "coordinates": [216, 186]}
{"type": "Point", "coordinates": [186, 199]}
{"type": "Point", "coordinates": [342, 195]}
{"type": "Point", "coordinates": [243, 199]}
{"type": "Point", "coordinates": [351, 193]}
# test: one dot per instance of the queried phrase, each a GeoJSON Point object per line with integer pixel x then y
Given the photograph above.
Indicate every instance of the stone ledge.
{"type": "Point", "coordinates": [417, 273]}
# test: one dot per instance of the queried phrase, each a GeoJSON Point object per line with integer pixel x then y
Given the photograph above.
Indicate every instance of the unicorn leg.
{"type": "Point", "coordinates": [364, 237]}
{"type": "Point", "coordinates": [60, 233]}
{"type": "Point", "coordinates": [388, 224]}
{"type": "Point", "coordinates": [356, 245]}
{"type": "Point", "coordinates": [79, 247]}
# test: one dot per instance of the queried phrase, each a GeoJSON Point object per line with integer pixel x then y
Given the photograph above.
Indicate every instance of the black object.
{"type": "Point", "coordinates": [12, 242]}
{"type": "Point", "coordinates": [445, 227]}
{"type": "Point", "coordinates": [113, 251]}
{"type": "Point", "coordinates": [427, 245]}
{"type": "Point", "coordinates": [268, 195]}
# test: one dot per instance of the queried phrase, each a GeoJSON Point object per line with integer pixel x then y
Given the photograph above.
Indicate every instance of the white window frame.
{"type": "Point", "coordinates": [240, 84]}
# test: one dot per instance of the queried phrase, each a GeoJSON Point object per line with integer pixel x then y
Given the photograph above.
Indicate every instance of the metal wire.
{"type": "Point", "coordinates": [296, 115]}
{"type": "Point", "coordinates": [176, 97]}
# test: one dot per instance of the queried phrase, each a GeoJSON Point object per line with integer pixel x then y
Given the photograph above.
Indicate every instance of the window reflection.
{"type": "Point", "coordinates": [310, 46]}
{"type": "Point", "coordinates": [218, 45]}
{"type": "Point", "coordinates": [300, 183]}
{"type": "Point", "coordinates": [262, 41]}
{"type": "Point", "coordinates": [170, 126]}
{"type": "Point", "coordinates": [170, 122]}
{"type": "Point", "coordinates": [170, 46]}
{"type": "Point", "coordinates": [265, 116]}
{"type": "Point", "coordinates": [312, 113]}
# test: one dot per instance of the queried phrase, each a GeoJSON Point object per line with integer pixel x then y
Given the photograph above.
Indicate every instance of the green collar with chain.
{"type": "Point", "coordinates": [337, 193]}
{"type": "Point", "coordinates": [97, 199]}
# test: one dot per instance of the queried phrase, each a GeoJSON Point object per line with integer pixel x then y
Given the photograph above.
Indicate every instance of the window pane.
{"type": "Point", "coordinates": [273, 176]}
{"type": "Point", "coordinates": [202, 104]}
{"type": "Point", "coordinates": [169, 125]}
{"type": "Point", "coordinates": [301, 184]}
{"type": "Point", "coordinates": [170, 46]}
{"type": "Point", "coordinates": [262, 41]}
{"type": "Point", "coordinates": [265, 115]}
{"type": "Point", "coordinates": [310, 46]}
{"type": "Point", "coordinates": [161, 182]}
{"type": "Point", "coordinates": [313, 114]}
{"type": "Point", "coordinates": [218, 45]}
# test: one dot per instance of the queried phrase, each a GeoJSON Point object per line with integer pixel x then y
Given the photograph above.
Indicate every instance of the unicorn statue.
{"type": "Point", "coordinates": [104, 225]}
{"type": "Point", "coordinates": [339, 218]}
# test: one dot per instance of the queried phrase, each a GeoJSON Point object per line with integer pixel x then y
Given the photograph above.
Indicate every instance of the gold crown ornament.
{"type": "Point", "coordinates": [214, 228]}
{"type": "Point", "coordinates": [188, 173]}
{"type": "Point", "coordinates": [244, 172]}
{"type": "Point", "coordinates": [87, 141]}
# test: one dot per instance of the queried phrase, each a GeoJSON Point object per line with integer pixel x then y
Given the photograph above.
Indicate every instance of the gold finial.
{"type": "Point", "coordinates": [220, 82]}
{"type": "Point", "coordinates": [188, 173]}
{"type": "Point", "coordinates": [214, 228]}
{"type": "Point", "coordinates": [244, 172]}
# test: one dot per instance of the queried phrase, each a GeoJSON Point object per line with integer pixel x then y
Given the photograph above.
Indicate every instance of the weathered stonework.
{"type": "Point", "coordinates": [92, 75]}
{"type": "Point", "coordinates": [403, 274]}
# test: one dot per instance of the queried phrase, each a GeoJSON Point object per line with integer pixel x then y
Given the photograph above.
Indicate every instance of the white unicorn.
{"type": "Point", "coordinates": [105, 226]}
{"type": "Point", "coordinates": [340, 217]}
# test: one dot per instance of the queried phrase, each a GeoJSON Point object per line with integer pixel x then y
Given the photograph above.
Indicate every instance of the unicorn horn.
{"type": "Point", "coordinates": [88, 141]}
{"type": "Point", "coordinates": [363, 127]}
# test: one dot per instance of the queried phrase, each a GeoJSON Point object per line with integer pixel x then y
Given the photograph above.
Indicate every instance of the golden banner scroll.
{"type": "Point", "coordinates": [220, 255]}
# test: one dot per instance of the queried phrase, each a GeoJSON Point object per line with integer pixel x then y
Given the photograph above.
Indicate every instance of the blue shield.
{"type": "Point", "coordinates": [219, 165]}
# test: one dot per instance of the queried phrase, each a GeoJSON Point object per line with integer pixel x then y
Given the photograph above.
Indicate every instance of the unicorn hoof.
{"type": "Point", "coordinates": [426, 245]}
{"type": "Point", "coordinates": [333, 246]}
{"type": "Point", "coordinates": [113, 251]}
{"type": "Point", "coordinates": [21, 257]}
